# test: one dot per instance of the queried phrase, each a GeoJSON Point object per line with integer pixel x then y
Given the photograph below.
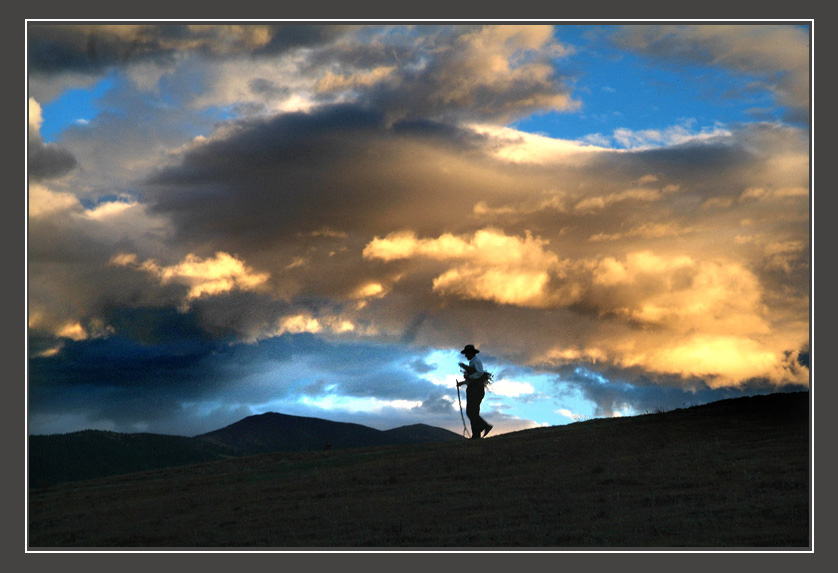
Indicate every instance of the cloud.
{"type": "Point", "coordinates": [92, 47]}
{"type": "Point", "coordinates": [45, 160]}
{"type": "Point", "coordinates": [521, 147]}
{"type": "Point", "coordinates": [373, 272]}
{"type": "Point", "coordinates": [260, 214]}
{"type": "Point", "coordinates": [511, 388]}
{"type": "Point", "coordinates": [489, 266]}
{"type": "Point", "coordinates": [481, 72]}
{"type": "Point", "coordinates": [43, 201]}
{"type": "Point", "coordinates": [673, 135]}
{"type": "Point", "coordinates": [203, 277]}
{"type": "Point", "coordinates": [778, 55]}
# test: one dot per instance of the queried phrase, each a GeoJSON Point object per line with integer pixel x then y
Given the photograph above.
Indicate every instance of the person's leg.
{"type": "Point", "coordinates": [473, 399]}
{"type": "Point", "coordinates": [474, 418]}
{"type": "Point", "coordinates": [479, 426]}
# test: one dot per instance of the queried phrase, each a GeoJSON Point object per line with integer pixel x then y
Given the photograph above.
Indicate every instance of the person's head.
{"type": "Point", "coordinates": [470, 351]}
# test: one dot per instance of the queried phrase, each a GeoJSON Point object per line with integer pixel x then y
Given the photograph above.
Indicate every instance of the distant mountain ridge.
{"type": "Point", "coordinates": [92, 454]}
{"type": "Point", "coordinates": [272, 432]}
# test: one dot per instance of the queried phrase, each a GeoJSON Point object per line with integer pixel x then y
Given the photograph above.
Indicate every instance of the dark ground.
{"type": "Point", "coordinates": [733, 474]}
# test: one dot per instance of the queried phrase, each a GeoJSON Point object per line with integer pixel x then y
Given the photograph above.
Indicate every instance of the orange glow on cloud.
{"type": "Point", "coordinates": [210, 276]}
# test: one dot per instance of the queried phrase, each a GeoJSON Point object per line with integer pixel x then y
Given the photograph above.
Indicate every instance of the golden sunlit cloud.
{"type": "Point", "coordinates": [303, 322]}
{"type": "Point", "coordinates": [369, 290]}
{"type": "Point", "coordinates": [298, 324]}
{"type": "Point", "coordinates": [720, 360]}
{"type": "Point", "coordinates": [574, 354]}
{"type": "Point", "coordinates": [74, 331]}
{"type": "Point", "coordinates": [59, 327]}
{"type": "Point", "coordinates": [488, 266]}
{"type": "Point", "coordinates": [210, 276]}
{"type": "Point", "coordinates": [111, 209]}
{"type": "Point", "coordinates": [682, 294]}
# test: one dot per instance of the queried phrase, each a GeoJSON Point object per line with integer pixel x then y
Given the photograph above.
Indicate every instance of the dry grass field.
{"type": "Point", "coordinates": [734, 474]}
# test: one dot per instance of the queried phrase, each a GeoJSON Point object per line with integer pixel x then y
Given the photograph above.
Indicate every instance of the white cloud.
{"type": "Point", "coordinates": [522, 147]}
{"type": "Point", "coordinates": [43, 201]}
{"type": "Point", "coordinates": [369, 405]}
{"type": "Point", "coordinates": [511, 388]}
{"type": "Point", "coordinates": [674, 135]}
{"type": "Point", "coordinates": [568, 414]}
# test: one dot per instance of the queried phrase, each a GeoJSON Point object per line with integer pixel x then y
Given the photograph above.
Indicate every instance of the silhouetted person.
{"type": "Point", "coordinates": [475, 381]}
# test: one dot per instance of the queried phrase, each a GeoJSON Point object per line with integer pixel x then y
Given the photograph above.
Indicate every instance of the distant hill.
{"type": "Point", "coordinates": [420, 434]}
{"type": "Point", "coordinates": [91, 454]}
{"type": "Point", "coordinates": [272, 432]}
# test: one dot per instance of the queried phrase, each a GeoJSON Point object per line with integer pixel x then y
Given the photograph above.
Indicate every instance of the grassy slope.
{"type": "Point", "coordinates": [732, 474]}
{"type": "Point", "coordinates": [93, 453]}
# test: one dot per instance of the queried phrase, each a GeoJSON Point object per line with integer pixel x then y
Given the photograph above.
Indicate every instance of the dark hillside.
{"type": "Point", "coordinates": [94, 453]}
{"type": "Point", "coordinates": [734, 474]}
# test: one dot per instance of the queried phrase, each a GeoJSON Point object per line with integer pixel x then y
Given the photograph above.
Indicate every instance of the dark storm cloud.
{"type": "Point", "coordinates": [266, 175]}
{"type": "Point", "coordinates": [57, 48]}
{"type": "Point", "coordinates": [45, 160]}
{"type": "Point", "coordinates": [285, 37]}
{"type": "Point", "coordinates": [152, 373]}
{"type": "Point", "coordinates": [48, 160]}
{"type": "Point", "coordinates": [338, 169]}
{"type": "Point", "coordinates": [117, 381]}
{"type": "Point", "coordinates": [119, 361]}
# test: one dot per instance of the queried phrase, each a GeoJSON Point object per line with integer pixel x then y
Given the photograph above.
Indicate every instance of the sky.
{"type": "Point", "coordinates": [228, 219]}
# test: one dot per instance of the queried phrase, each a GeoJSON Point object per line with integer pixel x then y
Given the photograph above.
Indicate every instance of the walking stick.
{"type": "Point", "coordinates": [465, 431]}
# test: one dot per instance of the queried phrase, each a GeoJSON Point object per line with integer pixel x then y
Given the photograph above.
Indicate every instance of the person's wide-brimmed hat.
{"type": "Point", "coordinates": [469, 348]}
